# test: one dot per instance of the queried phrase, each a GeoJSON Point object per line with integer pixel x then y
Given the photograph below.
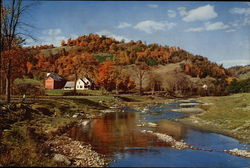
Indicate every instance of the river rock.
{"type": "Point", "coordinates": [144, 110]}
{"type": "Point", "coordinates": [195, 109]}
{"type": "Point", "coordinates": [150, 124]}
{"type": "Point", "coordinates": [84, 123]}
{"type": "Point", "coordinates": [188, 104]}
{"type": "Point", "coordinates": [75, 116]}
{"type": "Point", "coordinates": [169, 139]}
{"type": "Point", "coordinates": [59, 158]}
{"type": "Point", "coordinates": [77, 152]}
{"type": "Point", "coordinates": [187, 101]}
{"type": "Point", "coordinates": [3, 108]}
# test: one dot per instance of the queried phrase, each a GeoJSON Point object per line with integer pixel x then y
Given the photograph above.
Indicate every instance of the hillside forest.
{"type": "Point", "coordinates": [119, 66]}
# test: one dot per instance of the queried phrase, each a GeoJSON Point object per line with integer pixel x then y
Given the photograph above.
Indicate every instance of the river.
{"type": "Point", "coordinates": [119, 136]}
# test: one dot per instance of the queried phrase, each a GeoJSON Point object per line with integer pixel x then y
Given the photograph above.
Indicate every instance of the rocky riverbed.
{"type": "Point", "coordinates": [238, 152]}
{"type": "Point", "coordinates": [180, 145]}
{"type": "Point", "coordinates": [67, 152]}
{"type": "Point", "coordinates": [169, 139]}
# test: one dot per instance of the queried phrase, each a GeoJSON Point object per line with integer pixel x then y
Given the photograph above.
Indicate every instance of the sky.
{"type": "Point", "coordinates": [219, 31]}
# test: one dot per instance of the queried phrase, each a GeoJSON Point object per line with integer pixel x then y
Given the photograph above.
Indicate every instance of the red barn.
{"type": "Point", "coordinates": [54, 81]}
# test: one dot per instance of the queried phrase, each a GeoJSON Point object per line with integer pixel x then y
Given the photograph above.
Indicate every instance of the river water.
{"type": "Point", "coordinates": [118, 135]}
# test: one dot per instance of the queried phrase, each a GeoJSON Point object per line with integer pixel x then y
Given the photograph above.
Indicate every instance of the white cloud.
{"type": "Point", "coordinates": [150, 26]}
{"type": "Point", "coordinates": [53, 32]}
{"type": "Point", "coordinates": [182, 11]}
{"type": "Point", "coordinates": [152, 5]}
{"type": "Point", "coordinates": [123, 25]}
{"type": "Point", "coordinates": [202, 13]}
{"type": "Point", "coordinates": [236, 23]}
{"type": "Point", "coordinates": [210, 27]}
{"type": "Point", "coordinates": [246, 21]}
{"type": "Point", "coordinates": [229, 63]}
{"type": "Point", "coordinates": [241, 11]}
{"type": "Point", "coordinates": [50, 36]}
{"type": "Point", "coordinates": [197, 29]}
{"type": "Point", "coordinates": [110, 34]}
{"type": "Point", "coordinates": [73, 36]}
{"type": "Point", "coordinates": [171, 13]}
{"type": "Point", "coordinates": [230, 30]}
{"type": "Point", "coordinates": [215, 26]}
{"type": "Point", "coordinates": [248, 3]}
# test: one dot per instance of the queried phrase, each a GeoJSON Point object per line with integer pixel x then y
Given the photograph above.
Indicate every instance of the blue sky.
{"type": "Point", "coordinates": [219, 31]}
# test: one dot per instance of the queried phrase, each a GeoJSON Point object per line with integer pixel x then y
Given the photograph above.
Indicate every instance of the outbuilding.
{"type": "Point", "coordinates": [54, 81]}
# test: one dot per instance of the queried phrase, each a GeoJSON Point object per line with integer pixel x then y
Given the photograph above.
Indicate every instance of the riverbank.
{"type": "Point", "coordinates": [27, 129]}
{"type": "Point", "coordinates": [228, 115]}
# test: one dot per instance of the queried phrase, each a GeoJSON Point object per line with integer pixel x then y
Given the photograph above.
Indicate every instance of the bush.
{"type": "Point", "coordinates": [28, 89]}
{"type": "Point", "coordinates": [239, 86]}
{"type": "Point", "coordinates": [151, 62]}
{"type": "Point", "coordinates": [72, 93]}
{"type": "Point", "coordinates": [28, 86]}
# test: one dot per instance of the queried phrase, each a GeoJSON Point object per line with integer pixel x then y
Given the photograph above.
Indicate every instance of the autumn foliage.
{"type": "Point", "coordinates": [21, 61]}
{"type": "Point", "coordinates": [110, 78]}
{"type": "Point", "coordinates": [104, 60]}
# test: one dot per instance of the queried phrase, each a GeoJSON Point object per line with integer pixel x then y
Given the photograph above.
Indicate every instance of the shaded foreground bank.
{"type": "Point", "coordinates": [31, 133]}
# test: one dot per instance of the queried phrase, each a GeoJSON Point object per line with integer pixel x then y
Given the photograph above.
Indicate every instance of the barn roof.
{"type": "Point", "coordinates": [55, 77]}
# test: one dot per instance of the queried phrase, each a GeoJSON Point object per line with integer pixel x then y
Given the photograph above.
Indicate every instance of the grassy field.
{"type": "Point", "coordinates": [28, 81]}
{"type": "Point", "coordinates": [55, 92]}
{"type": "Point", "coordinates": [48, 52]}
{"type": "Point", "coordinates": [227, 114]}
{"type": "Point", "coordinates": [60, 92]}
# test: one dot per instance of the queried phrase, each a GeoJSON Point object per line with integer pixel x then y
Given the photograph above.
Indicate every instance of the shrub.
{"type": "Point", "coordinates": [72, 93]}
{"type": "Point", "coordinates": [151, 62]}
{"type": "Point", "coordinates": [239, 86]}
{"type": "Point", "coordinates": [28, 89]}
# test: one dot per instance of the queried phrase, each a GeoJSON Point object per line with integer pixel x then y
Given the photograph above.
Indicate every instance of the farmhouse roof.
{"type": "Point", "coordinates": [84, 80]}
{"type": "Point", "coordinates": [55, 77]}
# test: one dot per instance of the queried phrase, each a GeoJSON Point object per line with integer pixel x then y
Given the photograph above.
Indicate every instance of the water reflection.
{"type": "Point", "coordinates": [171, 128]}
{"type": "Point", "coordinates": [115, 132]}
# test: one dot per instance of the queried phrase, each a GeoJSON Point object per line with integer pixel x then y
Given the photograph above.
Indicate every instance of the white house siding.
{"type": "Point", "coordinates": [80, 85]}
{"type": "Point", "coordinates": [83, 84]}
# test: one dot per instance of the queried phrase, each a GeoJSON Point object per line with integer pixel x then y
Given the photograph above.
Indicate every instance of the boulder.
{"type": "Point", "coordinates": [75, 116]}
{"type": "Point", "coordinates": [58, 158]}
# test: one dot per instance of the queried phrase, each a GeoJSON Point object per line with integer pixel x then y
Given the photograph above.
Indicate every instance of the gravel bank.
{"type": "Point", "coordinates": [189, 110]}
{"type": "Point", "coordinates": [238, 152]}
{"type": "Point", "coordinates": [169, 139]}
{"type": "Point", "coordinates": [74, 153]}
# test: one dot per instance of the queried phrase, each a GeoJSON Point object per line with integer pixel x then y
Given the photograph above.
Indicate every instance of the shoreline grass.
{"type": "Point", "coordinates": [228, 115]}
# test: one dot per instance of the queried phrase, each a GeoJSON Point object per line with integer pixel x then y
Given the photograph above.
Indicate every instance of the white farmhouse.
{"type": "Point", "coordinates": [83, 84]}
